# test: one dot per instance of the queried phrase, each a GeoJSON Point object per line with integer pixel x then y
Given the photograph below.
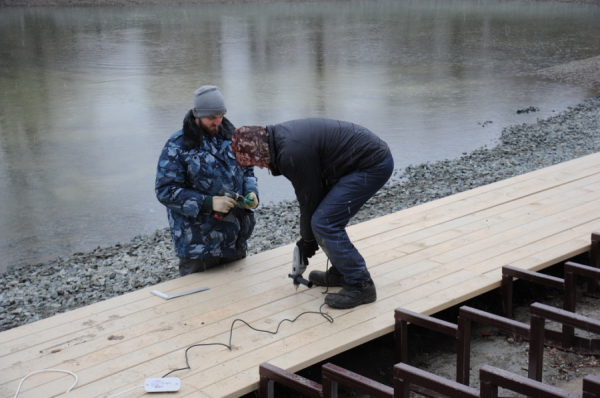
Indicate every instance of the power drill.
{"type": "Point", "coordinates": [240, 201]}
{"type": "Point", "coordinates": [298, 268]}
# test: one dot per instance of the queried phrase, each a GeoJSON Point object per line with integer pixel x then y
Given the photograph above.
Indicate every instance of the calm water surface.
{"type": "Point", "coordinates": [88, 97]}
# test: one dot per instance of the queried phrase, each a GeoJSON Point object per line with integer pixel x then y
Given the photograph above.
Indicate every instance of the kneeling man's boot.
{"type": "Point", "coordinates": [331, 278]}
{"type": "Point", "coordinates": [352, 295]}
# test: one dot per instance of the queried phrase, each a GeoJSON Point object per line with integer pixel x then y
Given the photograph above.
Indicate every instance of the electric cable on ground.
{"type": "Point", "coordinates": [328, 317]}
{"type": "Point", "coordinates": [48, 370]}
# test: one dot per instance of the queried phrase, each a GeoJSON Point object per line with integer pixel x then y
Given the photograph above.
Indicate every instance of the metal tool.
{"type": "Point", "coordinates": [240, 201]}
{"type": "Point", "coordinates": [168, 297]}
{"type": "Point", "coordinates": [298, 268]}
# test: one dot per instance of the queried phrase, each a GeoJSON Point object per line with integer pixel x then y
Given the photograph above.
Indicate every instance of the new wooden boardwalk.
{"type": "Point", "coordinates": [425, 259]}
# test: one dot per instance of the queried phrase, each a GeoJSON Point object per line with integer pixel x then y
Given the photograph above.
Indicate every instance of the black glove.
{"type": "Point", "coordinates": [307, 249]}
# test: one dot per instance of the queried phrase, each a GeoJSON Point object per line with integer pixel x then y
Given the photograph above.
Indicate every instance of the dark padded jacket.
{"type": "Point", "coordinates": [315, 153]}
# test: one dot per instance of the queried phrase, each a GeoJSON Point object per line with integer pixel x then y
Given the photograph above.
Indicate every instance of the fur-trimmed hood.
{"type": "Point", "coordinates": [193, 135]}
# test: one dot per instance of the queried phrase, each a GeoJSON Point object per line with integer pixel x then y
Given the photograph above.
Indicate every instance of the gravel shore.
{"type": "Point", "coordinates": [32, 292]}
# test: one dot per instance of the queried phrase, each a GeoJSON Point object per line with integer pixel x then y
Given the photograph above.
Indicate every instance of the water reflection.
{"type": "Point", "coordinates": [89, 96]}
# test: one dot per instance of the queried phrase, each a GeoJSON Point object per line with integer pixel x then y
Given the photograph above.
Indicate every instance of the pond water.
{"type": "Point", "coordinates": [88, 96]}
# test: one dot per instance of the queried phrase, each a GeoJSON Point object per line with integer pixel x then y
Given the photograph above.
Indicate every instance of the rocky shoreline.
{"type": "Point", "coordinates": [32, 292]}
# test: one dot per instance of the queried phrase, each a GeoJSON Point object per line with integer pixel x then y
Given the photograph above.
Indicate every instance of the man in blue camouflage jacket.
{"type": "Point", "coordinates": [196, 164]}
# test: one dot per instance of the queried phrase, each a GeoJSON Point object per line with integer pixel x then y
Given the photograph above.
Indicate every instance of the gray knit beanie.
{"type": "Point", "coordinates": [208, 101]}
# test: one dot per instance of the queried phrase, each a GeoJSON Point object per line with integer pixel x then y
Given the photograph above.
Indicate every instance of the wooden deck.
{"type": "Point", "coordinates": [424, 259]}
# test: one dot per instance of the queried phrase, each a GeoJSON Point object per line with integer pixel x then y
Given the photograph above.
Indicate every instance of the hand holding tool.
{"type": "Point", "coordinates": [298, 268]}
{"type": "Point", "coordinates": [307, 249]}
{"type": "Point", "coordinates": [222, 204]}
{"type": "Point", "coordinates": [225, 200]}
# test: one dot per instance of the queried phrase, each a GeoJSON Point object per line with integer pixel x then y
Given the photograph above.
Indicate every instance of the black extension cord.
{"type": "Point", "coordinates": [229, 346]}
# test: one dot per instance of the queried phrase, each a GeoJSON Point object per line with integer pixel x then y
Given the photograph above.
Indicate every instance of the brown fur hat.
{"type": "Point", "coordinates": [250, 145]}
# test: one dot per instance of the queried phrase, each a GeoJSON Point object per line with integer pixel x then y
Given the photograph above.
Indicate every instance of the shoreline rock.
{"type": "Point", "coordinates": [32, 292]}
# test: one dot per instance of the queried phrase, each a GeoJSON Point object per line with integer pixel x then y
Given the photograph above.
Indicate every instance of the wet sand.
{"type": "Point", "coordinates": [585, 72]}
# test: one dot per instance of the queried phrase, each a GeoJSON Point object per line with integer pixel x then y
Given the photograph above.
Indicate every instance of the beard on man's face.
{"type": "Point", "coordinates": [210, 130]}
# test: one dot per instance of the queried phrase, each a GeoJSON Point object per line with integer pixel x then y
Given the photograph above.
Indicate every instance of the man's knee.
{"type": "Point", "coordinates": [319, 227]}
{"type": "Point", "coordinates": [189, 266]}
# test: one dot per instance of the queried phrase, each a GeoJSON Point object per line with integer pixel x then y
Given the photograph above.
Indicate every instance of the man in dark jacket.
{"type": "Point", "coordinates": [195, 168]}
{"type": "Point", "coordinates": [335, 167]}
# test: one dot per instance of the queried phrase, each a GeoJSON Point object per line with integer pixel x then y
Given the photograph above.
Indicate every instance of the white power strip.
{"type": "Point", "coordinates": [163, 384]}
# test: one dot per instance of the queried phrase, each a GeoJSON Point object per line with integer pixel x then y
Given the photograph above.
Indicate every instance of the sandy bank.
{"type": "Point", "coordinates": [585, 72]}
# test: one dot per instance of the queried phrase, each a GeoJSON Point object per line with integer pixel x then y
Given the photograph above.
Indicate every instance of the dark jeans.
{"type": "Point", "coordinates": [330, 219]}
{"type": "Point", "coordinates": [191, 265]}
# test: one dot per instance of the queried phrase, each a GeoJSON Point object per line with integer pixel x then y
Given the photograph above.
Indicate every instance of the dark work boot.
{"type": "Point", "coordinates": [352, 295]}
{"type": "Point", "coordinates": [331, 278]}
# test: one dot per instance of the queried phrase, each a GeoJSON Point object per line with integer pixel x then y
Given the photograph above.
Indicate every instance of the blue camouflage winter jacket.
{"type": "Point", "coordinates": [193, 167]}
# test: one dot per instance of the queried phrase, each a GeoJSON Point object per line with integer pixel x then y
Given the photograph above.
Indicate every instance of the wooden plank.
{"type": "Point", "coordinates": [158, 363]}
{"type": "Point", "coordinates": [388, 298]}
{"type": "Point", "coordinates": [474, 215]}
{"type": "Point", "coordinates": [499, 257]}
{"type": "Point", "coordinates": [481, 198]}
{"type": "Point", "coordinates": [446, 231]}
{"type": "Point", "coordinates": [249, 265]}
{"type": "Point", "coordinates": [113, 323]}
{"type": "Point", "coordinates": [426, 258]}
{"type": "Point", "coordinates": [515, 208]}
{"type": "Point", "coordinates": [233, 278]}
{"type": "Point", "coordinates": [122, 336]}
{"type": "Point", "coordinates": [483, 246]}
{"type": "Point", "coordinates": [333, 340]}
{"type": "Point", "coordinates": [509, 251]}
{"type": "Point", "coordinates": [540, 259]}
{"type": "Point", "coordinates": [207, 322]}
{"type": "Point", "coordinates": [207, 357]}
{"type": "Point", "coordinates": [484, 222]}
